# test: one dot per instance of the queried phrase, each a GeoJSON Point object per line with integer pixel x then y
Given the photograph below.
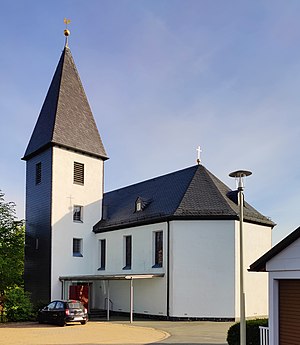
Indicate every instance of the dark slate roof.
{"type": "Point", "coordinates": [66, 118]}
{"type": "Point", "coordinates": [260, 264]}
{"type": "Point", "coordinates": [191, 193]}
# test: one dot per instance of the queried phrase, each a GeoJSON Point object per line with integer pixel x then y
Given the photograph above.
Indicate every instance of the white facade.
{"type": "Point", "coordinates": [150, 295]}
{"type": "Point", "coordinates": [257, 240]}
{"type": "Point", "coordinates": [201, 270]}
{"type": "Point", "coordinates": [66, 194]}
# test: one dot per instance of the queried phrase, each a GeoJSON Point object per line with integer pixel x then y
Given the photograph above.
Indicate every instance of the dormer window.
{"type": "Point", "coordinates": [141, 204]}
{"type": "Point", "coordinates": [138, 205]}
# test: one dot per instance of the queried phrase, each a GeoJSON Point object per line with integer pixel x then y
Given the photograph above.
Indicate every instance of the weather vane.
{"type": "Point", "coordinates": [66, 31]}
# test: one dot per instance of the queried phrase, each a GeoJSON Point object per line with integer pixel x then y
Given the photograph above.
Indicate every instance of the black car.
{"type": "Point", "coordinates": [61, 312]}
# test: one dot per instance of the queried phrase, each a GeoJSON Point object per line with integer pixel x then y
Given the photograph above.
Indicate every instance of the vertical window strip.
{"type": "Point", "coordinates": [128, 252]}
{"type": "Point", "coordinates": [158, 247]}
{"type": "Point", "coordinates": [78, 173]}
{"type": "Point", "coordinates": [38, 173]}
{"type": "Point", "coordinates": [102, 256]}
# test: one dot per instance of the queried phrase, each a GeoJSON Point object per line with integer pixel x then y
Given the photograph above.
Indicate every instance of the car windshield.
{"type": "Point", "coordinates": [75, 305]}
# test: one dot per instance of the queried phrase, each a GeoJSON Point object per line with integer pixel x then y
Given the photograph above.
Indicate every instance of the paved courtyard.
{"type": "Point", "coordinates": [115, 332]}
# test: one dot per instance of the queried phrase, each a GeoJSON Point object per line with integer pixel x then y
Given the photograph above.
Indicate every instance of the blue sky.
{"type": "Point", "coordinates": [163, 77]}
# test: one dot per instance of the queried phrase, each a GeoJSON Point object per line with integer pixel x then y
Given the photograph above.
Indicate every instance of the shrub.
{"type": "Point", "coordinates": [252, 332]}
{"type": "Point", "coordinates": [17, 305]}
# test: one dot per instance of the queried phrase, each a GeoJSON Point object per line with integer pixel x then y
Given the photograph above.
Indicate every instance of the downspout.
{"type": "Point", "coordinates": [62, 288]}
{"type": "Point", "coordinates": [168, 270]}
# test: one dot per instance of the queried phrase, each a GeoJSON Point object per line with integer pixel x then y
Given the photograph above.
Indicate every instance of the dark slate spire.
{"type": "Point", "coordinates": [66, 118]}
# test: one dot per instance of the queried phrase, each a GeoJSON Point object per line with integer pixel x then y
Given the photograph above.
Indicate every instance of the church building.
{"type": "Point", "coordinates": [167, 247]}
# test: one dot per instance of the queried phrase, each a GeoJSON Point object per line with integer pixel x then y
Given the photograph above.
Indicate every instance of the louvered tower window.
{"type": "Point", "coordinates": [78, 173]}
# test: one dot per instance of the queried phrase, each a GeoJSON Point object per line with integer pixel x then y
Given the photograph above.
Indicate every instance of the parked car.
{"type": "Point", "coordinates": [61, 312]}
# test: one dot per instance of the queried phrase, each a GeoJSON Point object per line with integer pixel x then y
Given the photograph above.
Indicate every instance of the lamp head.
{"type": "Point", "coordinates": [239, 176]}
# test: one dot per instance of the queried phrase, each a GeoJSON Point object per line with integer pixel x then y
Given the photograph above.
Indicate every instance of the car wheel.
{"type": "Point", "coordinates": [83, 322]}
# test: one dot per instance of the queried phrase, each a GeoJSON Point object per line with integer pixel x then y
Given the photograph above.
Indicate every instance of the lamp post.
{"type": "Point", "coordinates": [239, 175]}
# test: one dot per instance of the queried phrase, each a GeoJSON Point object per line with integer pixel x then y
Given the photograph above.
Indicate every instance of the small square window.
{"type": "Point", "coordinates": [77, 247]}
{"type": "Point", "coordinates": [38, 173]}
{"type": "Point", "coordinates": [78, 173]}
{"type": "Point", "coordinates": [77, 213]}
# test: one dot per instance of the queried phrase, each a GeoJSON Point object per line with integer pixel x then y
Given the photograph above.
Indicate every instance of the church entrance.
{"type": "Point", "coordinates": [80, 292]}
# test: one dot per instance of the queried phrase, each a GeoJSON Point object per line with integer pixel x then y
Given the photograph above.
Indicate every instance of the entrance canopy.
{"type": "Point", "coordinates": [129, 277]}
{"type": "Point", "coordinates": [89, 278]}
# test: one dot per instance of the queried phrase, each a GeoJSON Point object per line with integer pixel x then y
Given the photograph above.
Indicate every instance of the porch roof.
{"type": "Point", "coordinates": [88, 278]}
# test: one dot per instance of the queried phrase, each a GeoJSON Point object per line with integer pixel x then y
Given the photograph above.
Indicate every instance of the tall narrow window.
{"type": "Point", "coordinates": [77, 247]}
{"type": "Point", "coordinates": [38, 173]}
{"type": "Point", "coordinates": [102, 254]}
{"type": "Point", "coordinates": [77, 213]}
{"type": "Point", "coordinates": [128, 252]}
{"type": "Point", "coordinates": [158, 249]}
{"type": "Point", "coordinates": [78, 173]}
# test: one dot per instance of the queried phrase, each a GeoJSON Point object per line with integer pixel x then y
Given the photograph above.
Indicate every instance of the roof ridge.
{"type": "Point", "coordinates": [187, 189]}
{"type": "Point", "coordinates": [228, 201]}
{"type": "Point", "coordinates": [61, 60]}
{"type": "Point", "coordinates": [149, 180]}
{"type": "Point", "coordinates": [213, 185]}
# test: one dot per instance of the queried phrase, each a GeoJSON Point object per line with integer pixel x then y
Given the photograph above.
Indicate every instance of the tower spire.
{"type": "Point", "coordinates": [66, 119]}
{"type": "Point", "coordinates": [66, 31]}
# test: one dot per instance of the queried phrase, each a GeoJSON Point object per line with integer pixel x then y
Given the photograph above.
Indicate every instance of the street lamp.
{"type": "Point", "coordinates": [239, 175]}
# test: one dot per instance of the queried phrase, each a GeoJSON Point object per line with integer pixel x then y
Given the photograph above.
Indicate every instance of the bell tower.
{"type": "Point", "coordinates": [64, 184]}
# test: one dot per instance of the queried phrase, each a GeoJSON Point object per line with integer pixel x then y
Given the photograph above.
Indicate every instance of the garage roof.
{"type": "Point", "coordinates": [260, 264]}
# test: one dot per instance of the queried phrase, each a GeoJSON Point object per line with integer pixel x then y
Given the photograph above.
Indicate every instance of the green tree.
{"type": "Point", "coordinates": [12, 236]}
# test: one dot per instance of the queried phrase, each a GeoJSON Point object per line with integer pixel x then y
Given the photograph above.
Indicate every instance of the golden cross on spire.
{"type": "Point", "coordinates": [66, 31]}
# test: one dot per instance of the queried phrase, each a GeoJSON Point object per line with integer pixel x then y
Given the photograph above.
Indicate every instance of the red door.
{"type": "Point", "coordinates": [80, 293]}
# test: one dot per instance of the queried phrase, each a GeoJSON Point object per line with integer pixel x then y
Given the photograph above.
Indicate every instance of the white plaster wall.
{"type": "Point", "coordinates": [142, 250]}
{"type": "Point", "coordinates": [257, 241]}
{"type": "Point", "coordinates": [287, 260]}
{"type": "Point", "coordinates": [202, 269]}
{"type": "Point", "coordinates": [65, 195]}
{"type": "Point", "coordinates": [150, 295]}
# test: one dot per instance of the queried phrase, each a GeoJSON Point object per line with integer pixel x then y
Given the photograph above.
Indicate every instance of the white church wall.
{"type": "Point", "coordinates": [202, 269]}
{"type": "Point", "coordinates": [142, 250]}
{"type": "Point", "coordinates": [150, 295]}
{"type": "Point", "coordinates": [65, 195]}
{"type": "Point", "coordinates": [257, 241]}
